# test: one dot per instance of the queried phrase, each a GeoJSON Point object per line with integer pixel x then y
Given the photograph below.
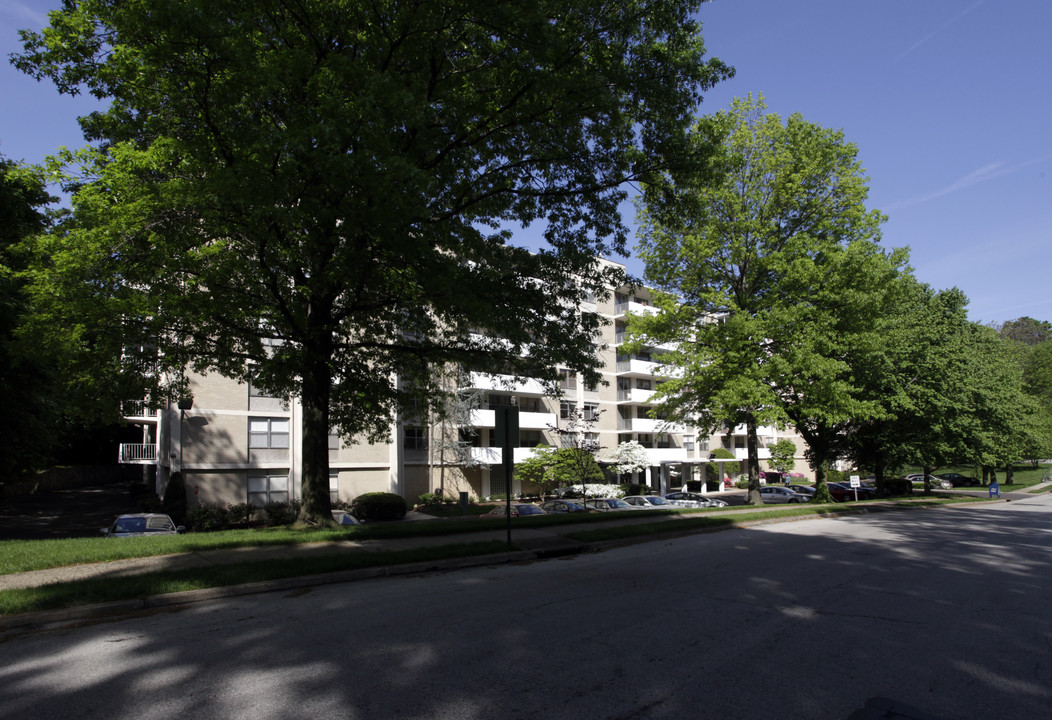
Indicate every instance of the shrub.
{"type": "Point", "coordinates": [207, 517]}
{"type": "Point", "coordinates": [635, 489]}
{"type": "Point", "coordinates": [898, 486]}
{"type": "Point", "coordinates": [282, 513]}
{"type": "Point", "coordinates": [241, 514]}
{"type": "Point", "coordinates": [379, 506]}
{"type": "Point", "coordinates": [430, 498]}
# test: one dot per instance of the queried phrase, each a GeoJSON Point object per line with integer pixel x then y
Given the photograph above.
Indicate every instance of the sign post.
{"type": "Point", "coordinates": [856, 481]}
{"type": "Point", "coordinates": [507, 432]}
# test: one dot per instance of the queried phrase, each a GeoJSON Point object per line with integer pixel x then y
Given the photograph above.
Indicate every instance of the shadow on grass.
{"type": "Point", "coordinates": [102, 590]}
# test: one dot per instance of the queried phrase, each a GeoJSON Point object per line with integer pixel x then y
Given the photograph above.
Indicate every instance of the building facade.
{"type": "Point", "coordinates": [234, 444]}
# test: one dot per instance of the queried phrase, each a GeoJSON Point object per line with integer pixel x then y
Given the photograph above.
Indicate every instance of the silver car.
{"type": "Point", "coordinates": [777, 494]}
{"type": "Point", "coordinates": [649, 502]}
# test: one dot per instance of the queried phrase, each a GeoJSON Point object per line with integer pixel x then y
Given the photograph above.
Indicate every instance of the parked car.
{"type": "Point", "coordinates": [141, 525]}
{"type": "Point", "coordinates": [517, 510]}
{"type": "Point", "coordinates": [606, 504]}
{"type": "Point", "coordinates": [649, 502]}
{"type": "Point", "coordinates": [803, 490]}
{"type": "Point", "coordinates": [562, 506]}
{"type": "Point", "coordinates": [779, 494]}
{"type": "Point", "coordinates": [692, 500]}
{"type": "Point", "coordinates": [958, 480]}
{"type": "Point", "coordinates": [841, 492]}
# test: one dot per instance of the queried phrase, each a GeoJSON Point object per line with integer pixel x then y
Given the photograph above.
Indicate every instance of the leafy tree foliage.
{"type": "Point", "coordinates": [783, 455]}
{"type": "Point", "coordinates": [767, 259]}
{"type": "Point", "coordinates": [1027, 331]}
{"type": "Point", "coordinates": [29, 393]}
{"type": "Point", "coordinates": [317, 187]}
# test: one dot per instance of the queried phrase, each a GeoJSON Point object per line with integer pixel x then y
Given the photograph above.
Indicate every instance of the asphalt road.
{"type": "Point", "coordinates": [944, 610]}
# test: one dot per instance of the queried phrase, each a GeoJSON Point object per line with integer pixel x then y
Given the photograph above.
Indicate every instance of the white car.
{"type": "Point", "coordinates": [778, 494]}
{"type": "Point", "coordinates": [693, 500]}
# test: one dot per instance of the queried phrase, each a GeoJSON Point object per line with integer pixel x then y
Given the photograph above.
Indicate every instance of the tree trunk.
{"type": "Point", "coordinates": [316, 506]}
{"type": "Point", "coordinates": [927, 470]}
{"type": "Point", "coordinates": [752, 449]}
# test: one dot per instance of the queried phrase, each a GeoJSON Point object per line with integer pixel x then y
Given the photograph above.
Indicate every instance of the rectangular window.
{"type": "Point", "coordinates": [688, 443]}
{"type": "Point", "coordinates": [334, 487]}
{"type": "Point", "coordinates": [268, 433]}
{"type": "Point", "coordinates": [567, 380]}
{"type": "Point", "coordinates": [565, 408]}
{"type": "Point", "coordinates": [643, 384]}
{"type": "Point", "coordinates": [263, 489]}
{"type": "Point", "coordinates": [415, 438]}
{"type": "Point", "coordinates": [591, 411]}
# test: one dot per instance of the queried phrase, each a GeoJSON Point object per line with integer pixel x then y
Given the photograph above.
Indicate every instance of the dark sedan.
{"type": "Point", "coordinates": [958, 480]}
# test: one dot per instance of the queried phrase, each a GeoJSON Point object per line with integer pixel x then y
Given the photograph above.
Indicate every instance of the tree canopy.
{"type": "Point", "coordinates": [767, 259]}
{"type": "Point", "coordinates": [316, 188]}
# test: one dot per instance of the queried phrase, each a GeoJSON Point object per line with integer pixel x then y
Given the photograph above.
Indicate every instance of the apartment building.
{"type": "Point", "coordinates": [234, 444]}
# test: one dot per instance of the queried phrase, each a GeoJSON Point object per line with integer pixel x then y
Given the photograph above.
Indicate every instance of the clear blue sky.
{"type": "Point", "coordinates": [948, 101]}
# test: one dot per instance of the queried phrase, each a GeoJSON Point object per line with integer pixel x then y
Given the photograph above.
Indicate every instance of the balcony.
{"type": "Point", "coordinates": [505, 383]}
{"type": "Point", "coordinates": [635, 395]}
{"type": "Point", "coordinates": [634, 308]}
{"type": "Point", "coordinates": [649, 425]}
{"type": "Point", "coordinates": [137, 453]}
{"type": "Point", "coordinates": [743, 453]}
{"type": "Point", "coordinates": [138, 410]}
{"type": "Point", "coordinates": [637, 367]}
{"type": "Point", "coordinates": [494, 455]}
{"type": "Point", "coordinates": [527, 420]}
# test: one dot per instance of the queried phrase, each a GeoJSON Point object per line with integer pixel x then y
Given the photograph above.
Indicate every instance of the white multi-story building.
{"type": "Point", "coordinates": [234, 444]}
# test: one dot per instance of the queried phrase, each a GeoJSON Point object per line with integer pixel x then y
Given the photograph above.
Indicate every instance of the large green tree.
{"type": "Point", "coordinates": [758, 253]}
{"type": "Point", "coordinates": [317, 187]}
{"type": "Point", "coordinates": [28, 381]}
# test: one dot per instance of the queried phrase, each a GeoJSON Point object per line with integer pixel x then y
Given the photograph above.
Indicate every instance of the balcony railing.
{"type": "Point", "coordinates": [137, 409]}
{"type": "Point", "coordinates": [137, 453]}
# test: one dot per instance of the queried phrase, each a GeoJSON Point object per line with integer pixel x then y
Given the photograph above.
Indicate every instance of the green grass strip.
{"type": "Point", "coordinates": [102, 590]}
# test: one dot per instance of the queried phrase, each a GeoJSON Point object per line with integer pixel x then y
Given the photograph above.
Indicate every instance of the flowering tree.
{"type": "Point", "coordinates": [630, 458]}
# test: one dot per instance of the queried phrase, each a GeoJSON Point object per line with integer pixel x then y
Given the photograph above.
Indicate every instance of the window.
{"type": "Point", "coordinates": [255, 391]}
{"type": "Point", "coordinates": [565, 408]}
{"type": "Point", "coordinates": [567, 380]}
{"type": "Point", "coordinates": [643, 384]}
{"type": "Point", "coordinates": [591, 411]}
{"type": "Point", "coordinates": [688, 443]}
{"type": "Point", "coordinates": [263, 489]}
{"type": "Point", "coordinates": [334, 487]}
{"type": "Point", "coordinates": [415, 438]}
{"type": "Point", "coordinates": [268, 433]}
{"type": "Point", "coordinates": [334, 440]}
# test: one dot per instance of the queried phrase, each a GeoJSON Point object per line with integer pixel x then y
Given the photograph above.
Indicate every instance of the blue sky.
{"type": "Point", "coordinates": [948, 101]}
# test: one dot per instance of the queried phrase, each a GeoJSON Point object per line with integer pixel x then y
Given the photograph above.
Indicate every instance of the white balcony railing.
{"type": "Point", "coordinates": [527, 420]}
{"type": "Point", "coordinates": [137, 453]}
{"type": "Point", "coordinates": [635, 395]}
{"type": "Point", "coordinates": [494, 456]}
{"type": "Point", "coordinates": [505, 383]}
{"type": "Point", "coordinates": [637, 367]}
{"type": "Point", "coordinates": [137, 409]}
{"type": "Point", "coordinates": [634, 308]}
